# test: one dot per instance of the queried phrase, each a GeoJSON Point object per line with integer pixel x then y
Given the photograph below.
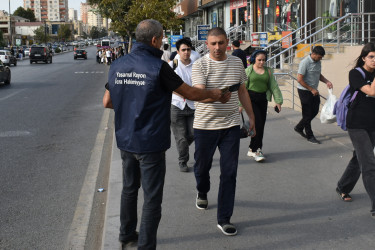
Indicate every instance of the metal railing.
{"type": "Point", "coordinates": [351, 29]}
{"type": "Point", "coordinates": [291, 89]}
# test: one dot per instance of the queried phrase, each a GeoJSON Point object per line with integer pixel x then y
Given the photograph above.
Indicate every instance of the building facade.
{"type": "Point", "coordinates": [73, 15]}
{"type": "Point", "coordinates": [84, 9]}
{"type": "Point", "coordinates": [264, 15]}
{"type": "Point", "coordinates": [53, 10]}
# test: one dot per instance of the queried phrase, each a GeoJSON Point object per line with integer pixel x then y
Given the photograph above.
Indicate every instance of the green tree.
{"type": "Point", "coordinates": [28, 13]}
{"type": "Point", "coordinates": [2, 42]}
{"type": "Point", "coordinates": [64, 32]}
{"type": "Point", "coordinates": [40, 36]}
{"type": "Point", "coordinates": [94, 32]}
{"type": "Point", "coordinates": [103, 32]}
{"type": "Point", "coordinates": [126, 14]}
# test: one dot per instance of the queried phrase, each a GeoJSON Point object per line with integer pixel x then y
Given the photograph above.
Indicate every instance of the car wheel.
{"type": "Point", "coordinates": [15, 64]}
{"type": "Point", "coordinates": [31, 62]}
{"type": "Point", "coordinates": [75, 58]}
{"type": "Point", "coordinates": [46, 61]}
{"type": "Point", "coordinates": [7, 81]}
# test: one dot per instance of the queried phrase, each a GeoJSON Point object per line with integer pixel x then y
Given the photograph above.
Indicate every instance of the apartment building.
{"type": "Point", "coordinates": [84, 9]}
{"type": "Point", "coordinates": [73, 15]}
{"type": "Point", "coordinates": [52, 10]}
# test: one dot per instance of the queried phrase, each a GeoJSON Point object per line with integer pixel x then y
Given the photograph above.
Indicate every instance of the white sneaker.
{"type": "Point", "coordinates": [250, 153]}
{"type": "Point", "coordinates": [259, 155]}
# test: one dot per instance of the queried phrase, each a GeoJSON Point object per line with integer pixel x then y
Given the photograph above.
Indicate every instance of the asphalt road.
{"type": "Point", "coordinates": [50, 116]}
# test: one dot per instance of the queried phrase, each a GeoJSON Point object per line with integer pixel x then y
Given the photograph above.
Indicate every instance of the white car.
{"type": "Point", "coordinates": [7, 58]}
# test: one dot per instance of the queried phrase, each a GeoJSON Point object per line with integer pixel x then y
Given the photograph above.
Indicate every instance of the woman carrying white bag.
{"type": "Point", "coordinates": [326, 115]}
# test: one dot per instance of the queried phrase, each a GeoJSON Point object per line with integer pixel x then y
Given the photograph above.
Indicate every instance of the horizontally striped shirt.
{"type": "Point", "coordinates": [217, 74]}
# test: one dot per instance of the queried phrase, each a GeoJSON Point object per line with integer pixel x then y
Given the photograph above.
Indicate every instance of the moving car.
{"type": "Point", "coordinates": [80, 53]}
{"type": "Point", "coordinates": [7, 58]}
{"type": "Point", "coordinates": [40, 53]}
{"type": "Point", "coordinates": [5, 74]}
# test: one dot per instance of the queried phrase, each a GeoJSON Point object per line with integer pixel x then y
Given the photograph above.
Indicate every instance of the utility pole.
{"type": "Point", "coordinates": [10, 27]}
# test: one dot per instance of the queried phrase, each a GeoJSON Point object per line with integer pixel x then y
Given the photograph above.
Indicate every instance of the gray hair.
{"type": "Point", "coordinates": [147, 29]}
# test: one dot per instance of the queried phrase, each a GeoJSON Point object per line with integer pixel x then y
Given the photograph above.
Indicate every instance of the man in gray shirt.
{"type": "Point", "coordinates": [309, 75]}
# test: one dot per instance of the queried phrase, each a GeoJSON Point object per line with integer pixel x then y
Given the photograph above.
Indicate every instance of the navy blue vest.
{"type": "Point", "coordinates": [141, 104]}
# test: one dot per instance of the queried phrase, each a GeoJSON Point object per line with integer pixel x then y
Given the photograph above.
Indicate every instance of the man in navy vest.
{"type": "Point", "coordinates": [139, 89]}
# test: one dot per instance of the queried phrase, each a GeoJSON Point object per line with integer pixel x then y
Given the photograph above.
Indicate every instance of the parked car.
{"type": "Point", "coordinates": [7, 58]}
{"type": "Point", "coordinates": [80, 53]}
{"type": "Point", "coordinates": [5, 74]}
{"type": "Point", "coordinates": [40, 53]}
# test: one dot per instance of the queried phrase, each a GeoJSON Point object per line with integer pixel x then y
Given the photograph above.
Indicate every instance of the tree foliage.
{"type": "Point", "coordinates": [2, 42]}
{"type": "Point", "coordinates": [64, 32]}
{"type": "Point", "coordinates": [28, 13]}
{"type": "Point", "coordinates": [97, 33]}
{"type": "Point", "coordinates": [40, 35]}
{"type": "Point", "coordinates": [126, 14]}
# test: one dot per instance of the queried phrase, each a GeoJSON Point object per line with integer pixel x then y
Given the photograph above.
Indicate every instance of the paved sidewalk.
{"type": "Point", "coordinates": [287, 202]}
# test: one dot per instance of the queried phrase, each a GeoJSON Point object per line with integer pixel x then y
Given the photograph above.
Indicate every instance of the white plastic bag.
{"type": "Point", "coordinates": [326, 115]}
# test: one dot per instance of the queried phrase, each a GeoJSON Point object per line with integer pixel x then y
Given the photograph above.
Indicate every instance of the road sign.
{"type": "Point", "coordinates": [202, 32]}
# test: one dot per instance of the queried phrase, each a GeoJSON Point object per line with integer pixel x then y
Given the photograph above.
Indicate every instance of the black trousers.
{"type": "Point", "coordinates": [259, 103]}
{"type": "Point", "coordinates": [310, 108]}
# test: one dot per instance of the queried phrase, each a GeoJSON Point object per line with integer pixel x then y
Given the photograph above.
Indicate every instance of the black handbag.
{"type": "Point", "coordinates": [244, 132]}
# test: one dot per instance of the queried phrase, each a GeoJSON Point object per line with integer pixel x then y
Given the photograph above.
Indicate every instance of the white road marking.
{"type": "Point", "coordinates": [14, 133]}
{"type": "Point", "coordinates": [79, 227]}
{"type": "Point", "coordinates": [10, 95]}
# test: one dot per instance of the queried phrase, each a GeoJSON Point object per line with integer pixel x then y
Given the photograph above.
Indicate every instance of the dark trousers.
{"type": "Point", "coordinates": [182, 127]}
{"type": "Point", "coordinates": [228, 142]}
{"type": "Point", "coordinates": [259, 103]}
{"type": "Point", "coordinates": [363, 161]}
{"type": "Point", "coordinates": [148, 170]}
{"type": "Point", "coordinates": [310, 108]}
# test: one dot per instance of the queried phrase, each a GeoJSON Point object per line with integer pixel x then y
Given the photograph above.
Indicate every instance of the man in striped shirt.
{"type": "Point", "coordinates": [217, 124]}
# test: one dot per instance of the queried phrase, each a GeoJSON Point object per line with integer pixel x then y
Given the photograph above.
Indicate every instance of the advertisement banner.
{"type": "Point", "coordinates": [263, 39]}
{"type": "Point", "coordinates": [287, 41]}
{"type": "Point", "coordinates": [236, 4]}
{"type": "Point", "coordinates": [254, 40]}
{"type": "Point", "coordinates": [202, 31]}
{"type": "Point", "coordinates": [174, 39]}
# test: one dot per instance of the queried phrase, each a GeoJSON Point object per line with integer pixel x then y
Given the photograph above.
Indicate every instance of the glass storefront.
{"type": "Point", "coordinates": [216, 16]}
{"type": "Point", "coordinates": [336, 8]}
{"type": "Point", "coordinates": [237, 12]}
{"type": "Point", "coordinates": [279, 15]}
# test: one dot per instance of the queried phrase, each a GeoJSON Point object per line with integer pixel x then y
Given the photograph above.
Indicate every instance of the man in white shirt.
{"type": "Point", "coordinates": [182, 109]}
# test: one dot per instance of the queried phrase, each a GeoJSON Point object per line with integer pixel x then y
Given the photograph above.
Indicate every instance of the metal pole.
{"type": "Point", "coordinates": [368, 28]}
{"type": "Point", "coordinates": [10, 27]}
{"type": "Point", "coordinates": [305, 8]}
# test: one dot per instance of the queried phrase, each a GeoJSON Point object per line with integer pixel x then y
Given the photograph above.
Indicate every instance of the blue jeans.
{"type": "Point", "coordinates": [182, 127]}
{"type": "Point", "coordinates": [363, 161]}
{"type": "Point", "coordinates": [228, 142]}
{"type": "Point", "coordinates": [148, 170]}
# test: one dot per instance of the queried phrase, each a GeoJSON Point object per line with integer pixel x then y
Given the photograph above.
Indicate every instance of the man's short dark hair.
{"type": "Point", "coordinates": [236, 43]}
{"type": "Point", "coordinates": [319, 50]}
{"type": "Point", "coordinates": [165, 46]}
{"type": "Point", "coordinates": [147, 29]}
{"type": "Point", "coordinates": [217, 31]}
{"type": "Point", "coordinates": [185, 41]}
